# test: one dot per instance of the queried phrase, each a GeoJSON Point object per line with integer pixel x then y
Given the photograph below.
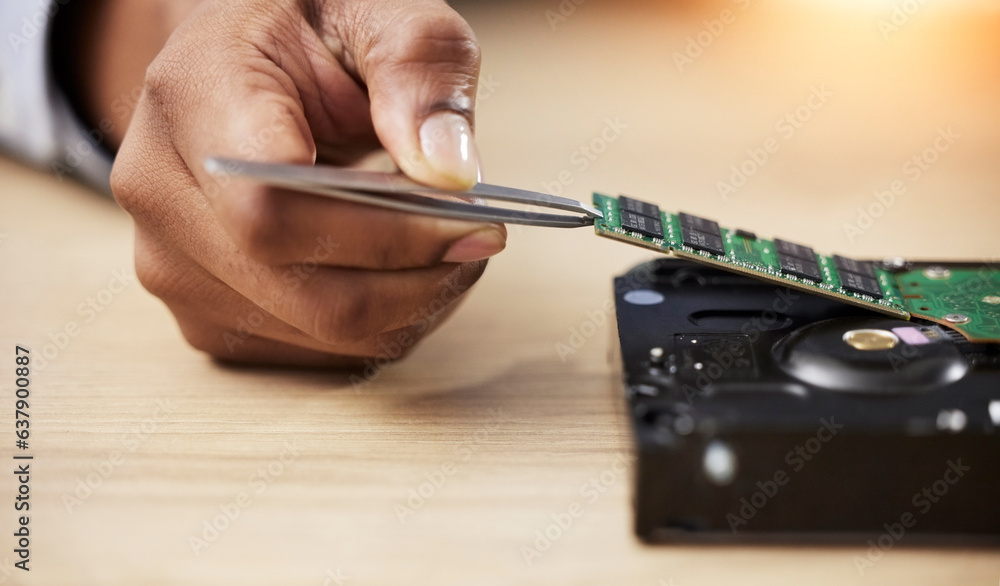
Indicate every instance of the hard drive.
{"type": "Point", "coordinates": [760, 412]}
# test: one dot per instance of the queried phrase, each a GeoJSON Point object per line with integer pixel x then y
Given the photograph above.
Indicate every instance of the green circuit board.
{"type": "Point", "coordinates": [935, 295]}
{"type": "Point", "coordinates": [965, 298]}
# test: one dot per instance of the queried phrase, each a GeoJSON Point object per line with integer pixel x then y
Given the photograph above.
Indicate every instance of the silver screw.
{"type": "Point", "coordinates": [937, 273]}
{"type": "Point", "coordinates": [894, 263]}
{"type": "Point", "coordinates": [956, 318]}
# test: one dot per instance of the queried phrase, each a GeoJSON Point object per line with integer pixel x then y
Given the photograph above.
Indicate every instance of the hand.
{"type": "Point", "coordinates": [269, 276]}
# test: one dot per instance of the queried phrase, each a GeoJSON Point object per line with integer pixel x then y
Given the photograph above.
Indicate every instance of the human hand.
{"type": "Point", "coordinates": [259, 274]}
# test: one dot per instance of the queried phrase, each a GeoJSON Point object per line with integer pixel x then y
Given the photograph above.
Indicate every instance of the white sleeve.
{"type": "Point", "coordinates": [37, 123]}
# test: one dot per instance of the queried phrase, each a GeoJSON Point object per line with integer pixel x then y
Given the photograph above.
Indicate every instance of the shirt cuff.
{"type": "Point", "coordinates": [37, 121]}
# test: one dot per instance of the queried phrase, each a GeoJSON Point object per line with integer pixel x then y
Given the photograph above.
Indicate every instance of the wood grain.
{"type": "Point", "coordinates": [488, 403]}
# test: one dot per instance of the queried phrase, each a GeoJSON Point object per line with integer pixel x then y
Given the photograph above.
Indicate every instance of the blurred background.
{"type": "Point", "coordinates": [869, 128]}
{"type": "Point", "coordinates": [697, 84]}
{"type": "Point", "coordinates": [883, 117]}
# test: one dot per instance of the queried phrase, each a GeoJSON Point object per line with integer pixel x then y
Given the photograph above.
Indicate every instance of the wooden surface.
{"type": "Point", "coordinates": [488, 399]}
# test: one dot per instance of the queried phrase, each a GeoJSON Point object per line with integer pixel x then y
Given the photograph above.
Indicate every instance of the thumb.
{"type": "Point", "coordinates": [420, 61]}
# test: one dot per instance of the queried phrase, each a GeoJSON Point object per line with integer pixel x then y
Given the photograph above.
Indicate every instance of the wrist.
{"type": "Point", "coordinates": [100, 51]}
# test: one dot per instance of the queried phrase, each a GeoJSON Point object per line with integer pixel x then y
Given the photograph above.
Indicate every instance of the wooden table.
{"type": "Point", "coordinates": [142, 443]}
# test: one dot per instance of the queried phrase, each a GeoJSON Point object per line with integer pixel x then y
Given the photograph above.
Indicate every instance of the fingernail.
{"type": "Point", "coordinates": [476, 246]}
{"type": "Point", "coordinates": [450, 149]}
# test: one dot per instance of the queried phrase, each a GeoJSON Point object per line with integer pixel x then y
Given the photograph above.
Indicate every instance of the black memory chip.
{"type": "Point", "coordinates": [858, 267]}
{"type": "Point", "coordinates": [709, 227]}
{"type": "Point", "coordinates": [806, 269]}
{"type": "Point", "coordinates": [642, 224]}
{"type": "Point", "coordinates": [627, 204]}
{"type": "Point", "coordinates": [786, 248]}
{"type": "Point", "coordinates": [860, 284]}
{"type": "Point", "coordinates": [702, 241]}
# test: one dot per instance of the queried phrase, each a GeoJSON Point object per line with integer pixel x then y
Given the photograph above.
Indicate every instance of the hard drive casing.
{"type": "Point", "coordinates": [755, 418]}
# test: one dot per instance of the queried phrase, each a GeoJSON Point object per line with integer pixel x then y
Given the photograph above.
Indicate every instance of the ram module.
{"type": "Point", "coordinates": [796, 265]}
{"type": "Point", "coordinates": [963, 296]}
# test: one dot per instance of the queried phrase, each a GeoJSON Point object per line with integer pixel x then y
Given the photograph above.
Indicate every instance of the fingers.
{"type": "Point", "coordinates": [243, 344]}
{"type": "Point", "coordinates": [253, 272]}
{"type": "Point", "coordinates": [280, 227]}
{"type": "Point", "coordinates": [257, 350]}
{"type": "Point", "coordinates": [340, 311]}
{"type": "Point", "coordinates": [251, 111]}
{"type": "Point", "coordinates": [257, 110]}
{"type": "Point", "coordinates": [346, 306]}
{"type": "Point", "coordinates": [420, 61]}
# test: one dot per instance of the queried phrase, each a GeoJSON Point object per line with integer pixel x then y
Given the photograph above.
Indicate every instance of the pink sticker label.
{"type": "Point", "coordinates": [912, 336]}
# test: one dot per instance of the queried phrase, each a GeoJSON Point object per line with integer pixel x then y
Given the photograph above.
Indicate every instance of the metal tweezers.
{"type": "Point", "coordinates": [399, 193]}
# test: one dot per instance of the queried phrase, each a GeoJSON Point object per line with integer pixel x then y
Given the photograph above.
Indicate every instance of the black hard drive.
{"type": "Point", "coordinates": [760, 412]}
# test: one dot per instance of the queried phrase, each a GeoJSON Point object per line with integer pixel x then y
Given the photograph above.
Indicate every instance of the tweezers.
{"type": "Point", "coordinates": [399, 193]}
